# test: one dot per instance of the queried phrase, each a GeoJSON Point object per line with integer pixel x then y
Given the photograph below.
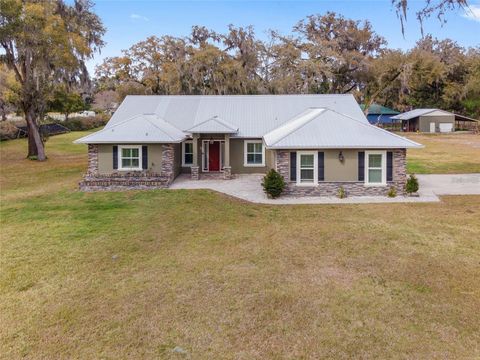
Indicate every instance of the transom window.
{"type": "Point", "coordinates": [375, 168]}
{"type": "Point", "coordinates": [130, 157]}
{"type": "Point", "coordinates": [307, 168]}
{"type": "Point", "coordinates": [187, 153]}
{"type": "Point", "coordinates": [254, 153]}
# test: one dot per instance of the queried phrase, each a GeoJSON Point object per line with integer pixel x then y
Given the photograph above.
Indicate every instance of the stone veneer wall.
{"type": "Point", "coordinates": [121, 180]}
{"type": "Point", "coordinates": [352, 188]}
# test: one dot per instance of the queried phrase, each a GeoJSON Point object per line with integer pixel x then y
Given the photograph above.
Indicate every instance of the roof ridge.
{"type": "Point", "coordinates": [108, 128]}
{"type": "Point", "coordinates": [154, 125]}
{"type": "Point", "coordinates": [293, 120]}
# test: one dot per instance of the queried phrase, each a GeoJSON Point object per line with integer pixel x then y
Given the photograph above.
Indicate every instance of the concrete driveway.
{"type": "Point", "coordinates": [248, 187]}
{"type": "Point", "coordinates": [449, 184]}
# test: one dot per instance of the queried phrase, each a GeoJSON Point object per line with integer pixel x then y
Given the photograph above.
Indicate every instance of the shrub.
{"type": "Point", "coordinates": [412, 184]}
{"type": "Point", "coordinates": [273, 184]}
{"type": "Point", "coordinates": [341, 193]}
{"type": "Point", "coordinates": [8, 130]}
{"type": "Point", "coordinates": [392, 192]}
{"type": "Point", "coordinates": [84, 123]}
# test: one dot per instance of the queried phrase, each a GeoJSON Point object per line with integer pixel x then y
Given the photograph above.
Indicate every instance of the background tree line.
{"type": "Point", "coordinates": [324, 54]}
{"type": "Point", "coordinates": [45, 45]}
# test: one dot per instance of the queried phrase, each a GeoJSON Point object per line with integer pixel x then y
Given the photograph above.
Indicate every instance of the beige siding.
{"type": "Point", "coordinates": [424, 122]}
{"type": "Point", "coordinates": [105, 158]}
{"type": "Point", "coordinates": [338, 171]}
{"type": "Point", "coordinates": [237, 159]}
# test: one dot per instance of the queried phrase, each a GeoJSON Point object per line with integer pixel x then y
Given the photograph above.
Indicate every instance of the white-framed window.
{"type": "Point", "coordinates": [187, 153]}
{"type": "Point", "coordinates": [130, 157]}
{"type": "Point", "coordinates": [375, 168]}
{"type": "Point", "coordinates": [307, 168]}
{"type": "Point", "coordinates": [254, 153]}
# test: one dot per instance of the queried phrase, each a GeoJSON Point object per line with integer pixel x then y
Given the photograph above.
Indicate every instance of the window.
{"type": "Point", "coordinates": [130, 157]}
{"type": "Point", "coordinates": [375, 169]}
{"type": "Point", "coordinates": [254, 153]}
{"type": "Point", "coordinates": [187, 158]}
{"type": "Point", "coordinates": [307, 168]}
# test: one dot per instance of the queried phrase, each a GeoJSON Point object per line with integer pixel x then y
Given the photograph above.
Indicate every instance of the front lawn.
{"type": "Point", "coordinates": [137, 274]}
{"type": "Point", "coordinates": [457, 153]}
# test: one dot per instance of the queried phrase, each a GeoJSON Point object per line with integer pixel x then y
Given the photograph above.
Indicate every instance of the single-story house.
{"type": "Point", "coordinates": [379, 114]}
{"type": "Point", "coordinates": [426, 120]}
{"type": "Point", "coordinates": [316, 142]}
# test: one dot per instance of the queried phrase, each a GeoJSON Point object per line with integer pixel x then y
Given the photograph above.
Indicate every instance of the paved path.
{"type": "Point", "coordinates": [247, 187]}
{"type": "Point", "coordinates": [449, 184]}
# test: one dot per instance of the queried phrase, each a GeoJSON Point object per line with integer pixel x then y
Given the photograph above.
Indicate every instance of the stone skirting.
{"type": "Point", "coordinates": [124, 181]}
{"type": "Point", "coordinates": [227, 172]}
{"type": "Point", "coordinates": [194, 172]}
{"type": "Point", "coordinates": [332, 188]}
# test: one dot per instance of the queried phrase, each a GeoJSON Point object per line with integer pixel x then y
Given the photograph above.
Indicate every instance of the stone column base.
{"type": "Point", "coordinates": [227, 172]}
{"type": "Point", "coordinates": [195, 174]}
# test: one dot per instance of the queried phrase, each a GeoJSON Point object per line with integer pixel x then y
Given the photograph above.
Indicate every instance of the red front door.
{"type": "Point", "coordinates": [214, 156]}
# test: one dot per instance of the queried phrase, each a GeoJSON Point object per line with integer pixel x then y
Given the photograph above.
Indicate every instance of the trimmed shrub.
{"type": "Point", "coordinates": [392, 192]}
{"type": "Point", "coordinates": [341, 193]}
{"type": "Point", "coordinates": [273, 184]}
{"type": "Point", "coordinates": [412, 184]}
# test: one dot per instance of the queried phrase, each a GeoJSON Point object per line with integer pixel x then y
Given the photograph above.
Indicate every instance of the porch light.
{"type": "Point", "coordinates": [341, 158]}
{"type": "Point", "coordinates": [211, 141]}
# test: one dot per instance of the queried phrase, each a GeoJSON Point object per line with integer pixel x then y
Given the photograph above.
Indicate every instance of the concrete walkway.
{"type": "Point", "coordinates": [449, 184]}
{"type": "Point", "coordinates": [248, 187]}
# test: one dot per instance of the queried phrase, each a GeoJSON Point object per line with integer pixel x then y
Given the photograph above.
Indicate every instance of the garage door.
{"type": "Point", "coordinates": [446, 127]}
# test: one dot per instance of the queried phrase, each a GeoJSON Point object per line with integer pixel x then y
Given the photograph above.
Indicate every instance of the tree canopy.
{"type": "Point", "coordinates": [46, 43]}
{"type": "Point", "coordinates": [323, 54]}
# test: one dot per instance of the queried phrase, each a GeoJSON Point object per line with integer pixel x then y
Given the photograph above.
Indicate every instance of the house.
{"type": "Point", "coordinates": [426, 120]}
{"type": "Point", "coordinates": [316, 142]}
{"type": "Point", "coordinates": [378, 114]}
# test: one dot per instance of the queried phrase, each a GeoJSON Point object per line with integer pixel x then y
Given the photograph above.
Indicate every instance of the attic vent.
{"type": "Point", "coordinates": [146, 134]}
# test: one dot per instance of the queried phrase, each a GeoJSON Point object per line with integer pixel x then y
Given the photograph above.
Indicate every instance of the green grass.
{"type": "Point", "coordinates": [135, 274]}
{"type": "Point", "coordinates": [457, 153]}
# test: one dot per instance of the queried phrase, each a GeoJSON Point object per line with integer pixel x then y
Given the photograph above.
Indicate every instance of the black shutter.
{"type": "Point", "coordinates": [293, 166]}
{"type": "Point", "coordinates": [361, 166]}
{"type": "Point", "coordinates": [389, 166]}
{"type": "Point", "coordinates": [321, 166]}
{"type": "Point", "coordinates": [144, 157]}
{"type": "Point", "coordinates": [115, 157]}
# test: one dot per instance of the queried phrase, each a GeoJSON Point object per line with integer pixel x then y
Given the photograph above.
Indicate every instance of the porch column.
{"type": "Point", "coordinates": [227, 169]}
{"type": "Point", "coordinates": [195, 169]}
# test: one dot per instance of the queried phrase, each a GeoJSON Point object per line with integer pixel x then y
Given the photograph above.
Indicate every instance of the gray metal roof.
{"type": "Point", "coordinates": [143, 128]}
{"type": "Point", "coordinates": [325, 129]}
{"type": "Point", "coordinates": [254, 115]}
{"type": "Point", "coordinates": [416, 113]}
{"type": "Point", "coordinates": [214, 125]}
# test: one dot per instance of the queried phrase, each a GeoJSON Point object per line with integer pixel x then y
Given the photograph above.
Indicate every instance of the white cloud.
{"type": "Point", "coordinates": [472, 12]}
{"type": "Point", "coordinates": [138, 17]}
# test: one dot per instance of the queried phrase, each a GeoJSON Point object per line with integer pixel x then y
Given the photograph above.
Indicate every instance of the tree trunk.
{"type": "Point", "coordinates": [35, 144]}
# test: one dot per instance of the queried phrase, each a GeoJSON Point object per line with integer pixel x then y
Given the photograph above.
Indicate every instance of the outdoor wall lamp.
{"type": "Point", "coordinates": [341, 158]}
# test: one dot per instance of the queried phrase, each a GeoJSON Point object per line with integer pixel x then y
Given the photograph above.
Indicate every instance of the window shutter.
{"type": "Point", "coordinates": [144, 157]}
{"type": "Point", "coordinates": [293, 166]}
{"type": "Point", "coordinates": [115, 157]}
{"type": "Point", "coordinates": [389, 166]}
{"type": "Point", "coordinates": [321, 166]}
{"type": "Point", "coordinates": [361, 166]}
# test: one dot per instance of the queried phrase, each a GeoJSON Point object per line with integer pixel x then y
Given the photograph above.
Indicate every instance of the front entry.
{"type": "Point", "coordinates": [214, 156]}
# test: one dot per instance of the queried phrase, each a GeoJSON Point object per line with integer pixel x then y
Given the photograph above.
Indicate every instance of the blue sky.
{"type": "Point", "coordinates": [128, 22]}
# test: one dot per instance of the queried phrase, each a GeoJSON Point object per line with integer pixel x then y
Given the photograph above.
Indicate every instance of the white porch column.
{"type": "Point", "coordinates": [195, 169]}
{"type": "Point", "coordinates": [227, 169]}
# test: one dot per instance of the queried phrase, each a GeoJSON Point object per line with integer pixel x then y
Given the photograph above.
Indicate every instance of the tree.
{"type": "Point", "coordinates": [432, 7]}
{"type": "Point", "coordinates": [66, 102]}
{"type": "Point", "coordinates": [46, 43]}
